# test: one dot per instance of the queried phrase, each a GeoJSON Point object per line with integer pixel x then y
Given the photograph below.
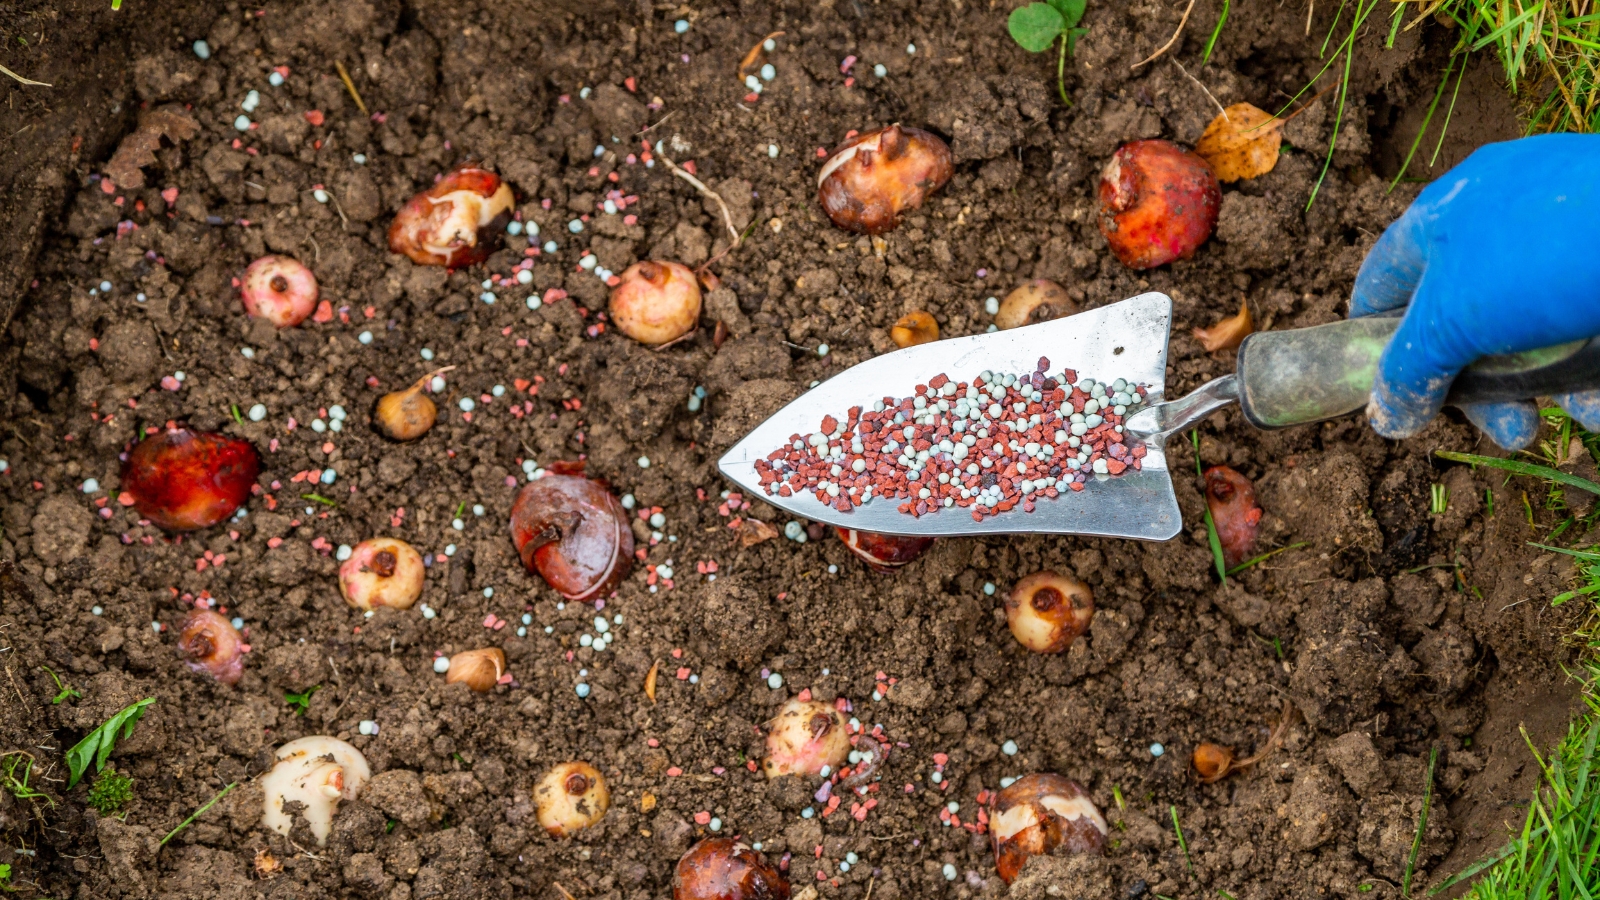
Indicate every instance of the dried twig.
{"type": "Point", "coordinates": [564, 892]}
{"type": "Point", "coordinates": [1170, 41]}
{"type": "Point", "coordinates": [351, 85]}
{"type": "Point", "coordinates": [755, 54]}
{"type": "Point", "coordinates": [727, 217]}
{"type": "Point", "coordinates": [1201, 86]}
{"type": "Point", "coordinates": [22, 80]}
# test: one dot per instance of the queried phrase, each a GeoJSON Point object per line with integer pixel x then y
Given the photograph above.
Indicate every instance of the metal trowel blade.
{"type": "Point", "coordinates": [1123, 340]}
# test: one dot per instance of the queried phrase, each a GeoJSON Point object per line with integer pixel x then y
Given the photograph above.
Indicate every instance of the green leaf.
{"type": "Point", "coordinates": [1521, 468]}
{"type": "Point", "coordinates": [1071, 10]}
{"type": "Point", "coordinates": [1035, 26]}
{"type": "Point", "coordinates": [96, 746]}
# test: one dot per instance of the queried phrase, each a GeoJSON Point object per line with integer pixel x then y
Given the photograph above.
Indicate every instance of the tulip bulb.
{"type": "Point", "coordinates": [455, 223]}
{"type": "Point", "coordinates": [382, 572]}
{"type": "Point", "coordinates": [656, 302]}
{"type": "Point", "coordinates": [724, 869]}
{"type": "Point", "coordinates": [571, 797]}
{"type": "Point", "coordinates": [280, 290]}
{"type": "Point", "coordinates": [316, 771]}
{"type": "Point", "coordinates": [406, 415]}
{"type": "Point", "coordinates": [1040, 300]}
{"type": "Point", "coordinates": [1047, 611]}
{"type": "Point", "coordinates": [210, 645]}
{"type": "Point", "coordinates": [1231, 498]}
{"type": "Point", "coordinates": [572, 532]}
{"type": "Point", "coordinates": [804, 738]}
{"type": "Point", "coordinates": [883, 552]}
{"type": "Point", "coordinates": [1158, 202]}
{"type": "Point", "coordinates": [915, 328]}
{"type": "Point", "coordinates": [1039, 813]}
{"type": "Point", "coordinates": [875, 177]}
{"type": "Point", "coordinates": [1211, 762]}
{"type": "Point", "coordinates": [479, 669]}
{"type": "Point", "coordinates": [183, 480]}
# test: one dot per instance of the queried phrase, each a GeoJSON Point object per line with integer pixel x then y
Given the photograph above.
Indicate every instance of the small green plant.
{"type": "Point", "coordinates": [1422, 823]}
{"type": "Point", "coordinates": [16, 769]}
{"type": "Point", "coordinates": [1038, 25]}
{"type": "Point", "coordinates": [65, 691]}
{"type": "Point", "coordinates": [302, 701]}
{"type": "Point", "coordinates": [1438, 499]}
{"type": "Point", "coordinates": [1211, 525]}
{"type": "Point", "coordinates": [111, 792]}
{"type": "Point", "coordinates": [1182, 843]}
{"type": "Point", "coordinates": [96, 745]}
{"type": "Point", "coordinates": [198, 813]}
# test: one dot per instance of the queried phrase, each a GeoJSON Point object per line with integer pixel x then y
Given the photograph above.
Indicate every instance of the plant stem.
{"type": "Point", "coordinates": [197, 813]}
{"type": "Point", "coordinates": [1061, 71]}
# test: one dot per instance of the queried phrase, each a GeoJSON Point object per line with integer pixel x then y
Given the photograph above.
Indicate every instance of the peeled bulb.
{"type": "Point", "coordinates": [873, 178]}
{"type": "Point", "coordinates": [570, 798]}
{"type": "Point", "coordinates": [317, 771]}
{"type": "Point", "coordinates": [724, 869]}
{"type": "Point", "coordinates": [406, 415]}
{"type": "Point", "coordinates": [1047, 611]}
{"type": "Point", "coordinates": [572, 532]}
{"type": "Point", "coordinates": [1039, 813]}
{"type": "Point", "coordinates": [883, 552]}
{"type": "Point", "coordinates": [183, 480]}
{"type": "Point", "coordinates": [457, 222]}
{"type": "Point", "coordinates": [1231, 498]}
{"type": "Point", "coordinates": [1211, 762]}
{"type": "Point", "coordinates": [804, 737]}
{"type": "Point", "coordinates": [656, 302]}
{"type": "Point", "coordinates": [478, 669]}
{"type": "Point", "coordinates": [1039, 300]}
{"type": "Point", "coordinates": [915, 328]}
{"type": "Point", "coordinates": [211, 646]}
{"type": "Point", "coordinates": [1158, 202]}
{"type": "Point", "coordinates": [280, 290]}
{"type": "Point", "coordinates": [382, 572]}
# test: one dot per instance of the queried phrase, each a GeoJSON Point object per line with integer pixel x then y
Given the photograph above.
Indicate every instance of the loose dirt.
{"type": "Point", "coordinates": [1392, 631]}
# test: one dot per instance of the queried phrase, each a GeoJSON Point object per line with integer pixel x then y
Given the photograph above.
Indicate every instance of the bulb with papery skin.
{"type": "Point", "coordinates": [725, 869]}
{"type": "Point", "coordinates": [1232, 501]}
{"type": "Point", "coordinates": [571, 797]}
{"type": "Point", "coordinates": [210, 645]}
{"type": "Point", "coordinates": [280, 290]}
{"type": "Point", "coordinates": [1211, 762]}
{"type": "Point", "coordinates": [1158, 203]}
{"type": "Point", "coordinates": [1039, 813]}
{"type": "Point", "coordinates": [913, 328]}
{"type": "Point", "coordinates": [183, 480]}
{"type": "Point", "coordinates": [317, 772]}
{"type": "Point", "coordinates": [1047, 611]}
{"type": "Point", "coordinates": [458, 222]}
{"type": "Point", "coordinates": [572, 532]}
{"type": "Point", "coordinates": [408, 413]}
{"type": "Point", "coordinates": [1039, 300]}
{"type": "Point", "coordinates": [656, 302]}
{"type": "Point", "coordinates": [382, 572]}
{"type": "Point", "coordinates": [477, 669]}
{"type": "Point", "coordinates": [873, 178]}
{"type": "Point", "coordinates": [883, 552]}
{"type": "Point", "coordinates": [805, 737]}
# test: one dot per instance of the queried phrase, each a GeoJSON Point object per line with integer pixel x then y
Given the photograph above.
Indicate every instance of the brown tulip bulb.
{"type": "Point", "coordinates": [382, 572]}
{"type": "Point", "coordinates": [883, 552]}
{"type": "Point", "coordinates": [457, 222]}
{"type": "Point", "coordinates": [1039, 813]}
{"type": "Point", "coordinates": [478, 669]}
{"type": "Point", "coordinates": [1047, 611]}
{"type": "Point", "coordinates": [571, 797]}
{"type": "Point", "coordinates": [1039, 300]}
{"type": "Point", "coordinates": [724, 869]}
{"type": "Point", "coordinates": [915, 328]}
{"type": "Point", "coordinates": [407, 414]}
{"type": "Point", "coordinates": [804, 738]}
{"type": "Point", "coordinates": [1158, 202]}
{"type": "Point", "coordinates": [572, 532]}
{"type": "Point", "coordinates": [656, 302]}
{"type": "Point", "coordinates": [873, 178]}
{"type": "Point", "coordinates": [1211, 762]}
{"type": "Point", "coordinates": [212, 646]}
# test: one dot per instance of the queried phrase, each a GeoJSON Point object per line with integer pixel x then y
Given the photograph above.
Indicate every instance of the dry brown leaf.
{"type": "Point", "coordinates": [1228, 333]}
{"type": "Point", "coordinates": [650, 681]}
{"type": "Point", "coordinates": [139, 148]}
{"type": "Point", "coordinates": [754, 531]}
{"type": "Point", "coordinates": [915, 328]}
{"type": "Point", "coordinates": [1243, 142]}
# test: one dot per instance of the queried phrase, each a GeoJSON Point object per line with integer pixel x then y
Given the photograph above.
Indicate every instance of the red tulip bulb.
{"type": "Point", "coordinates": [183, 480]}
{"type": "Point", "coordinates": [1158, 202]}
{"type": "Point", "coordinates": [724, 869]}
{"type": "Point", "coordinates": [572, 532]}
{"type": "Point", "coordinates": [875, 177]}
{"type": "Point", "coordinates": [280, 290]}
{"type": "Point", "coordinates": [656, 302]}
{"type": "Point", "coordinates": [1232, 501]}
{"type": "Point", "coordinates": [457, 222]}
{"type": "Point", "coordinates": [883, 552]}
{"type": "Point", "coordinates": [210, 645]}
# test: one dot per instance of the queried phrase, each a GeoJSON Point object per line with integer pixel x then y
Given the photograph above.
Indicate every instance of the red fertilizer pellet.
{"type": "Point", "coordinates": [990, 446]}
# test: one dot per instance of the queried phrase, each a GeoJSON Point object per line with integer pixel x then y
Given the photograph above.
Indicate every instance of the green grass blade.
{"type": "Point", "coordinates": [1517, 467]}
{"type": "Point", "coordinates": [1215, 33]}
{"type": "Point", "coordinates": [1416, 142]}
{"type": "Point", "coordinates": [1422, 823]}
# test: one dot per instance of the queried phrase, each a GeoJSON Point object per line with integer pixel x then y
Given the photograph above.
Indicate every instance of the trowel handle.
{"type": "Point", "coordinates": [1311, 374]}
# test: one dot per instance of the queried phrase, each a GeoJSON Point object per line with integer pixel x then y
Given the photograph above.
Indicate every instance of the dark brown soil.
{"type": "Point", "coordinates": [1392, 632]}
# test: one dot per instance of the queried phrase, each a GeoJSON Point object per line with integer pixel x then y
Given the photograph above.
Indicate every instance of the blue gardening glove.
{"type": "Point", "coordinates": [1501, 254]}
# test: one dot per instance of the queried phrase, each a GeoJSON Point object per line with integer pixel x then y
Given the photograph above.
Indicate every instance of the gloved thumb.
{"type": "Point", "coordinates": [1511, 425]}
{"type": "Point", "coordinates": [1417, 367]}
{"type": "Point", "coordinates": [1392, 269]}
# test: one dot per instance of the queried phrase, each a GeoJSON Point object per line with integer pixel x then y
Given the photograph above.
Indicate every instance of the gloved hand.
{"type": "Point", "coordinates": [1501, 254]}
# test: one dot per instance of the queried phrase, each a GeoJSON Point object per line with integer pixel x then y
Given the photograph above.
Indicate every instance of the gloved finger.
{"type": "Point", "coordinates": [1393, 268]}
{"type": "Point", "coordinates": [1417, 367]}
{"type": "Point", "coordinates": [1511, 425]}
{"type": "Point", "coordinates": [1584, 406]}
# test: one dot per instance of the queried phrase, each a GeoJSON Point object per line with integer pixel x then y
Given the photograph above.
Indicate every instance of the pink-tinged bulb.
{"type": "Point", "coordinates": [572, 532]}
{"type": "Point", "coordinates": [873, 178]}
{"type": "Point", "coordinates": [1158, 203]}
{"type": "Point", "coordinates": [1047, 611]}
{"type": "Point", "coordinates": [1039, 813]}
{"type": "Point", "coordinates": [210, 645]}
{"type": "Point", "coordinates": [183, 480]}
{"type": "Point", "coordinates": [804, 738]}
{"type": "Point", "coordinates": [457, 223]}
{"type": "Point", "coordinates": [382, 572]}
{"type": "Point", "coordinates": [1232, 501]}
{"type": "Point", "coordinates": [656, 302]}
{"type": "Point", "coordinates": [280, 290]}
{"type": "Point", "coordinates": [725, 869]}
{"type": "Point", "coordinates": [883, 552]}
